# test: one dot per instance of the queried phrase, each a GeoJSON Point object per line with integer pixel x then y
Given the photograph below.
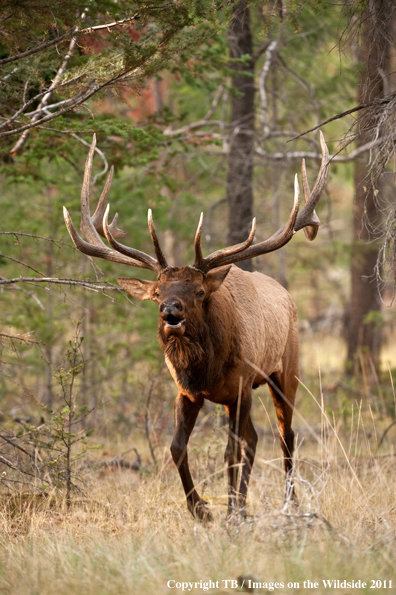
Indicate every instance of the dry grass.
{"type": "Point", "coordinates": [132, 532]}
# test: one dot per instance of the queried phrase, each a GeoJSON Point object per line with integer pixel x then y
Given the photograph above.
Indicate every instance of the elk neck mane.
{"type": "Point", "coordinates": [183, 352]}
{"type": "Point", "coordinates": [200, 356]}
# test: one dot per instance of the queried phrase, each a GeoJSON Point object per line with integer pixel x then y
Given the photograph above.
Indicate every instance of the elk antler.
{"type": "Point", "coordinates": [91, 227]}
{"type": "Point", "coordinates": [307, 219]}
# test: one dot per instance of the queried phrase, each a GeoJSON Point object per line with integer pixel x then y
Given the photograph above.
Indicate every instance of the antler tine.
{"type": "Point", "coordinates": [276, 241]}
{"type": "Point", "coordinates": [86, 226]}
{"type": "Point", "coordinates": [157, 248]}
{"type": "Point", "coordinates": [311, 231]}
{"type": "Point", "coordinates": [91, 226]}
{"type": "Point", "coordinates": [307, 217]}
{"type": "Point", "coordinates": [212, 260]}
{"type": "Point", "coordinates": [99, 250]}
{"type": "Point", "coordinates": [147, 262]}
{"type": "Point", "coordinates": [97, 217]}
{"type": "Point", "coordinates": [94, 246]}
{"type": "Point", "coordinates": [199, 260]}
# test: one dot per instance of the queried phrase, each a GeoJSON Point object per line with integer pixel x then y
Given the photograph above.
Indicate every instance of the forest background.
{"type": "Point", "coordinates": [176, 116]}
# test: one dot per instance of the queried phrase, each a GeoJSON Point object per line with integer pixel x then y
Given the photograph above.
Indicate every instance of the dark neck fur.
{"type": "Point", "coordinates": [192, 357]}
{"type": "Point", "coordinates": [201, 358]}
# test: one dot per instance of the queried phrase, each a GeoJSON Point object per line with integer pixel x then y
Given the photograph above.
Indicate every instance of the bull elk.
{"type": "Point", "coordinates": [223, 331]}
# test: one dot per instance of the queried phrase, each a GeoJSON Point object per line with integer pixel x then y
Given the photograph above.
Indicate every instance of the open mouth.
{"type": "Point", "coordinates": [174, 322]}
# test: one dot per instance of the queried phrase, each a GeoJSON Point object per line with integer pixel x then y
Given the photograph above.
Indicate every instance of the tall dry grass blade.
{"type": "Point", "coordinates": [363, 369]}
{"type": "Point", "coordinates": [358, 424]}
{"type": "Point", "coordinates": [322, 419]}
{"type": "Point", "coordinates": [393, 388]}
{"type": "Point", "coordinates": [381, 410]}
{"type": "Point", "coordinates": [351, 434]}
{"type": "Point", "coordinates": [295, 410]}
{"type": "Point", "coordinates": [375, 429]}
{"type": "Point", "coordinates": [339, 442]}
{"type": "Point", "coordinates": [268, 417]}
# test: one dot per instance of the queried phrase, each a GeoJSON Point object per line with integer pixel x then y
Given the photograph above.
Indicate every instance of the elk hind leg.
{"type": "Point", "coordinates": [283, 391]}
{"type": "Point", "coordinates": [239, 414]}
{"type": "Point", "coordinates": [249, 450]}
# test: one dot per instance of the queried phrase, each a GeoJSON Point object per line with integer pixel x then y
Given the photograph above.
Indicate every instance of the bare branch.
{"type": "Point", "coordinates": [78, 101]}
{"type": "Point", "coordinates": [205, 120]}
{"type": "Point", "coordinates": [22, 263]}
{"type": "Point", "coordinates": [43, 103]}
{"type": "Point", "coordinates": [87, 284]}
{"type": "Point", "coordinates": [15, 445]}
{"type": "Point", "coordinates": [18, 338]}
{"type": "Point", "coordinates": [21, 110]}
{"type": "Point", "coordinates": [384, 101]}
{"type": "Point", "coordinates": [317, 156]}
{"type": "Point", "coordinates": [31, 235]}
{"type": "Point", "coordinates": [263, 76]}
{"type": "Point", "coordinates": [29, 293]}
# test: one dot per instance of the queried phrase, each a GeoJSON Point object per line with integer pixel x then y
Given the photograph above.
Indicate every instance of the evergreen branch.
{"type": "Point", "coordinates": [75, 31]}
{"type": "Point", "coordinates": [37, 48]}
{"type": "Point", "coordinates": [44, 101]}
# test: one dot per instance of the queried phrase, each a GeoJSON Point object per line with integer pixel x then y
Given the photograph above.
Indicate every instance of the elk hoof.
{"type": "Point", "coordinates": [201, 512]}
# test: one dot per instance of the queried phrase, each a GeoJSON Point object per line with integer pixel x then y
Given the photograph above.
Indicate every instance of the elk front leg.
{"type": "Point", "coordinates": [239, 413]}
{"type": "Point", "coordinates": [186, 413]}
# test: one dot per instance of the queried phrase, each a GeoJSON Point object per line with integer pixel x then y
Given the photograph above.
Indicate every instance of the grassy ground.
{"type": "Point", "coordinates": [131, 532]}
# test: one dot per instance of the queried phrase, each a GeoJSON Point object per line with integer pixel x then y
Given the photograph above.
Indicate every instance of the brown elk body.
{"type": "Point", "coordinates": [223, 331]}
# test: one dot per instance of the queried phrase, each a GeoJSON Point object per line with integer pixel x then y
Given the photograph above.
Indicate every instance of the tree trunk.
{"type": "Point", "coordinates": [240, 160]}
{"type": "Point", "coordinates": [363, 327]}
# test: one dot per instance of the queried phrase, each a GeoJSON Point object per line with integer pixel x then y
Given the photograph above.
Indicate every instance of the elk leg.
{"type": "Point", "coordinates": [283, 391]}
{"type": "Point", "coordinates": [249, 450]}
{"type": "Point", "coordinates": [186, 413]}
{"type": "Point", "coordinates": [238, 416]}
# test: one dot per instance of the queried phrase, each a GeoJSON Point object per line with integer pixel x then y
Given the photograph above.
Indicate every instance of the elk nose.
{"type": "Point", "coordinates": [171, 307]}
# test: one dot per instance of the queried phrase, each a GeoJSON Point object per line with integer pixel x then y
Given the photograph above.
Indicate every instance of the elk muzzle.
{"type": "Point", "coordinates": [172, 316]}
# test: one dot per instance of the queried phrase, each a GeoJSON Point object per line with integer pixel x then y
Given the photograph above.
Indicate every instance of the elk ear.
{"type": "Point", "coordinates": [138, 288]}
{"type": "Point", "coordinates": [215, 278]}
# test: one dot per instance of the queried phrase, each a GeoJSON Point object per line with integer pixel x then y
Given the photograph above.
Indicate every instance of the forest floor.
{"type": "Point", "coordinates": [130, 532]}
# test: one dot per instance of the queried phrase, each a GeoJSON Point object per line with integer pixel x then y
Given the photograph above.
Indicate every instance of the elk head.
{"type": "Point", "coordinates": [182, 293]}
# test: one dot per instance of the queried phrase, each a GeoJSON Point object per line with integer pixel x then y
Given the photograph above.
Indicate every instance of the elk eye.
{"type": "Point", "coordinates": [200, 294]}
{"type": "Point", "coordinates": [156, 293]}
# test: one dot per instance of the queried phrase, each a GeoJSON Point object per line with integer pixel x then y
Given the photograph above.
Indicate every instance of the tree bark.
{"type": "Point", "coordinates": [364, 338]}
{"type": "Point", "coordinates": [241, 152]}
